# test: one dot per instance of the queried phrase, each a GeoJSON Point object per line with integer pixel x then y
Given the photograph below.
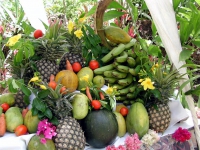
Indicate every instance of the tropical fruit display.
{"type": "Point", "coordinates": [74, 92]}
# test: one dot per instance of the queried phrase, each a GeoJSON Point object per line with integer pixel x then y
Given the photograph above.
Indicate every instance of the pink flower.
{"type": "Point", "coordinates": [120, 147]}
{"type": "Point", "coordinates": [181, 135]}
{"type": "Point", "coordinates": [49, 133]}
{"type": "Point", "coordinates": [43, 140]}
{"type": "Point", "coordinates": [15, 52]}
{"type": "Point", "coordinates": [198, 113]}
{"type": "Point", "coordinates": [1, 30]}
{"type": "Point", "coordinates": [131, 32]}
{"type": "Point", "coordinates": [46, 128]}
{"type": "Point", "coordinates": [132, 142]}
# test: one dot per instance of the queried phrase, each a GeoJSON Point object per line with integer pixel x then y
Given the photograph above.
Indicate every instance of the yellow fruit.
{"type": "Point", "coordinates": [118, 107]}
{"type": "Point", "coordinates": [99, 81]}
{"type": "Point", "coordinates": [117, 35]}
{"type": "Point", "coordinates": [68, 79]}
{"type": "Point", "coordinates": [121, 124]}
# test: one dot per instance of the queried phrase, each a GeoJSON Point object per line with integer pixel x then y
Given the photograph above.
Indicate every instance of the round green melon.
{"type": "Point", "coordinates": [100, 128]}
{"type": "Point", "coordinates": [35, 144]}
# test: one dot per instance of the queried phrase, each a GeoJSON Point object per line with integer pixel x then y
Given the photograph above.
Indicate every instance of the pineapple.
{"type": "Point", "coordinates": [19, 100]}
{"type": "Point", "coordinates": [70, 135]}
{"type": "Point", "coordinates": [158, 110]}
{"type": "Point", "coordinates": [49, 49]}
{"type": "Point", "coordinates": [74, 53]}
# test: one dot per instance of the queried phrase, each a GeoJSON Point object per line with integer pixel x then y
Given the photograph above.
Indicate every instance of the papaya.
{"type": "Point", "coordinates": [137, 120]}
{"type": "Point", "coordinates": [85, 76]}
{"type": "Point", "coordinates": [13, 118]}
{"type": "Point", "coordinates": [117, 35]}
{"type": "Point", "coordinates": [31, 122]}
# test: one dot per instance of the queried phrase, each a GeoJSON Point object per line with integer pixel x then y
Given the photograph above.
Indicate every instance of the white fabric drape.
{"type": "Point", "coordinates": [35, 12]}
{"type": "Point", "coordinates": [163, 16]}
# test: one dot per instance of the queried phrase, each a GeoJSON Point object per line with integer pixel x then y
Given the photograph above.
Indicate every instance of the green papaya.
{"type": "Point", "coordinates": [31, 122]}
{"type": "Point", "coordinates": [13, 118]}
{"type": "Point", "coordinates": [117, 35]}
{"type": "Point", "coordinates": [137, 120]}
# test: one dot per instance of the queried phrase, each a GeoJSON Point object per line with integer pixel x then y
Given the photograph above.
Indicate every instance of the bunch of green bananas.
{"type": "Point", "coordinates": [121, 71]}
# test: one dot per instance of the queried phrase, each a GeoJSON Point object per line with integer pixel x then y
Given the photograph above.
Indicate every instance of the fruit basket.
{"type": "Point", "coordinates": [75, 87]}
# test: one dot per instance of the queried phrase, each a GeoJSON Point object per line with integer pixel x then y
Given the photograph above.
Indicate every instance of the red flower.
{"type": "Point", "coordinates": [181, 135]}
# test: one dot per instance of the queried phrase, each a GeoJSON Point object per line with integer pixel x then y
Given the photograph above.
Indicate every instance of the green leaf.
{"type": "Point", "coordinates": [20, 17]}
{"type": "Point", "coordinates": [91, 11]}
{"type": "Point", "coordinates": [26, 99]}
{"type": "Point", "coordinates": [48, 113]}
{"type": "Point", "coordinates": [198, 104]}
{"type": "Point", "coordinates": [112, 14]}
{"type": "Point", "coordinates": [25, 90]}
{"type": "Point", "coordinates": [19, 56]}
{"type": "Point", "coordinates": [43, 93]}
{"type": "Point", "coordinates": [11, 89]}
{"type": "Point", "coordinates": [196, 42]}
{"type": "Point", "coordinates": [195, 91]}
{"type": "Point", "coordinates": [39, 105]}
{"type": "Point", "coordinates": [154, 50]}
{"type": "Point", "coordinates": [156, 93]}
{"type": "Point", "coordinates": [34, 111]}
{"type": "Point", "coordinates": [116, 5]}
{"type": "Point", "coordinates": [185, 54]}
{"type": "Point", "coordinates": [54, 121]}
{"type": "Point", "coordinates": [176, 3]}
{"type": "Point", "coordinates": [198, 2]}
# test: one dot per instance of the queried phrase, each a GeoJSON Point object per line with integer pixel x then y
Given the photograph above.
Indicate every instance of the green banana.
{"type": "Point", "coordinates": [101, 70]}
{"type": "Point", "coordinates": [131, 95]}
{"type": "Point", "coordinates": [126, 81]}
{"type": "Point", "coordinates": [115, 64]}
{"type": "Point", "coordinates": [131, 53]}
{"type": "Point", "coordinates": [126, 102]}
{"type": "Point", "coordinates": [108, 73]}
{"type": "Point", "coordinates": [132, 71]}
{"type": "Point", "coordinates": [122, 58]}
{"type": "Point", "coordinates": [125, 90]}
{"type": "Point", "coordinates": [120, 98]}
{"type": "Point", "coordinates": [131, 61]}
{"type": "Point", "coordinates": [110, 80]}
{"type": "Point", "coordinates": [130, 44]}
{"type": "Point", "coordinates": [118, 50]}
{"type": "Point", "coordinates": [132, 88]}
{"type": "Point", "coordinates": [119, 75]}
{"type": "Point", "coordinates": [118, 87]}
{"type": "Point", "coordinates": [123, 68]}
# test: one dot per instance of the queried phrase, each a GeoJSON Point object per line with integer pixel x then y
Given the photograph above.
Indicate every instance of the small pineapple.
{"type": "Point", "coordinates": [70, 135]}
{"type": "Point", "coordinates": [74, 46]}
{"type": "Point", "coordinates": [158, 110]}
{"type": "Point", "coordinates": [49, 49]}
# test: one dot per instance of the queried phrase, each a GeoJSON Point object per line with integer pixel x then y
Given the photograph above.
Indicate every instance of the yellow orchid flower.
{"type": "Point", "coordinates": [34, 79]}
{"type": "Point", "coordinates": [154, 67]}
{"type": "Point", "coordinates": [78, 33]}
{"type": "Point", "coordinates": [82, 20]}
{"type": "Point", "coordinates": [141, 80]}
{"type": "Point", "coordinates": [70, 26]}
{"type": "Point", "coordinates": [43, 87]}
{"type": "Point", "coordinates": [13, 40]}
{"type": "Point", "coordinates": [110, 90]}
{"type": "Point", "coordinates": [147, 84]}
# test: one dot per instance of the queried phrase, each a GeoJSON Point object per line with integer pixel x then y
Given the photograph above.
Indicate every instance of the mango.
{"type": "Point", "coordinates": [31, 122]}
{"type": "Point", "coordinates": [13, 118]}
{"type": "Point", "coordinates": [137, 120]}
{"type": "Point", "coordinates": [99, 81]}
{"type": "Point", "coordinates": [7, 98]}
{"type": "Point", "coordinates": [80, 106]}
{"type": "Point", "coordinates": [85, 75]}
{"type": "Point", "coordinates": [121, 124]}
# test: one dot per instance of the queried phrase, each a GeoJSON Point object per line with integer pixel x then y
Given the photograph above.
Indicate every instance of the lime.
{"type": "Point", "coordinates": [99, 81]}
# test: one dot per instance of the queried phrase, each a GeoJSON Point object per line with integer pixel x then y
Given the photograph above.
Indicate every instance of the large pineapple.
{"type": "Point", "coordinates": [158, 110]}
{"type": "Point", "coordinates": [19, 100]}
{"type": "Point", "coordinates": [49, 49]}
{"type": "Point", "coordinates": [70, 135]}
{"type": "Point", "coordinates": [74, 53]}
